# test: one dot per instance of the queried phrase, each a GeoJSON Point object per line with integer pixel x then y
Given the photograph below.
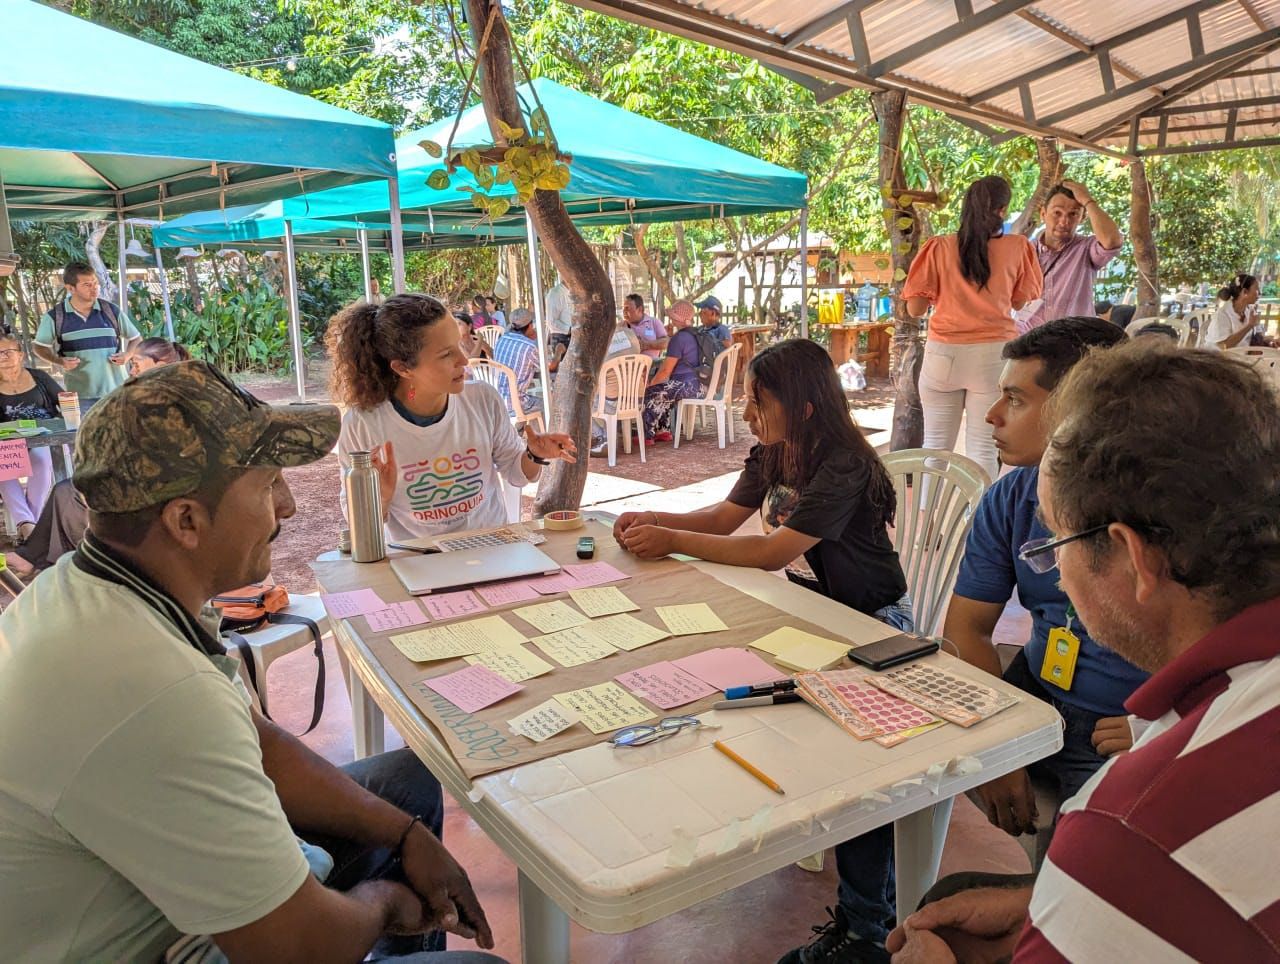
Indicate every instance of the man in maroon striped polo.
{"type": "Point", "coordinates": [1161, 489]}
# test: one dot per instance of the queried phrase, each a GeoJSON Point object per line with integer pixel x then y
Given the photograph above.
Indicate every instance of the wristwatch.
{"type": "Point", "coordinates": [535, 459]}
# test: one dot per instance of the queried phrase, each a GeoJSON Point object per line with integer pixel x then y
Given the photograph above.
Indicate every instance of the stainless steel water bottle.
{"type": "Point", "coordinates": [364, 509]}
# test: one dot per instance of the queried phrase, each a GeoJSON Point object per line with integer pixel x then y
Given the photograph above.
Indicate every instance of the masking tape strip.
{"type": "Point", "coordinates": [965, 765]}
{"type": "Point", "coordinates": [683, 849]}
{"type": "Point", "coordinates": [732, 837]}
{"type": "Point", "coordinates": [476, 794]}
{"type": "Point", "coordinates": [759, 824]}
{"type": "Point", "coordinates": [562, 521]}
{"type": "Point", "coordinates": [933, 777]}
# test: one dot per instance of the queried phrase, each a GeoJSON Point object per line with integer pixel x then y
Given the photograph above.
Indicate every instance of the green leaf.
{"type": "Point", "coordinates": [508, 132]}
{"type": "Point", "coordinates": [905, 201]}
{"type": "Point", "coordinates": [498, 206]}
{"type": "Point", "coordinates": [470, 159]}
{"type": "Point", "coordinates": [900, 275]}
{"type": "Point", "coordinates": [437, 180]}
{"type": "Point", "coordinates": [905, 224]}
{"type": "Point", "coordinates": [538, 121]}
{"type": "Point", "coordinates": [903, 247]}
{"type": "Point", "coordinates": [432, 148]}
{"type": "Point", "coordinates": [484, 177]}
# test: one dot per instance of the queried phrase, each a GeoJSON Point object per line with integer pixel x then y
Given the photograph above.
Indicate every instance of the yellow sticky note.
{"type": "Point", "coordinates": [798, 650]}
{"type": "Point", "coordinates": [602, 602]}
{"type": "Point", "coordinates": [551, 617]}
{"type": "Point", "coordinates": [575, 645]}
{"type": "Point", "coordinates": [606, 707]}
{"type": "Point", "coordinates": [627, 632]}
{"type": "Point", "coordinates": [458, 639]}
{"type": "Point", "coordinates": [513, 663]}
{"type": "Point", "coordinates": [690, 620]}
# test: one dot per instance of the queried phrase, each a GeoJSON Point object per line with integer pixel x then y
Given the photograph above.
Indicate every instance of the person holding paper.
{"type": "Point", "coordinates": [442, 444]}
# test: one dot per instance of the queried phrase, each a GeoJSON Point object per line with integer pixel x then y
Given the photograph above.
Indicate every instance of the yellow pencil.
{"type": "Point", "coordinates": [758, 774]}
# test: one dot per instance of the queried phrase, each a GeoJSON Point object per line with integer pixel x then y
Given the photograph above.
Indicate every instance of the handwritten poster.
{"type": "Point", "coordinates": [15, 460]}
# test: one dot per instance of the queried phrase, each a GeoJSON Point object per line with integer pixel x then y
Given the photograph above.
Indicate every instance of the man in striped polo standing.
{"type": "Point", "coordinates": [1161, 492]}
{"type": "Point", "coordinates": [88, 339]}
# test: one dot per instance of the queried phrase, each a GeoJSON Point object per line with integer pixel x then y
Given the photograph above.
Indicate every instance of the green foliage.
{"type": "Point", "coordinates": [327, 283]}
{"type": "Point", "coordinates": [1200, 235]}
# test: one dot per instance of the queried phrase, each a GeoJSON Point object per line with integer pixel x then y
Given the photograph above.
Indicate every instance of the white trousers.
{"type": "Point", "coordinates": [960, 380]}
{"type": "Point", "coordinates": [25, 505]}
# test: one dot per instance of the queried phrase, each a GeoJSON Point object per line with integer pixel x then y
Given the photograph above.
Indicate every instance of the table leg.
{"type": "Point", "coordinates": [544, 927]}
{"type": "Point", "coordinates": [917, 840]}
{"type": "Point", "coordinates": [366, 719]}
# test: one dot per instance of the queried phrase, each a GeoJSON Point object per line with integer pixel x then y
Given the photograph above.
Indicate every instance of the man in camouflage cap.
{"type": "Point", "coordinates": [145, 807]}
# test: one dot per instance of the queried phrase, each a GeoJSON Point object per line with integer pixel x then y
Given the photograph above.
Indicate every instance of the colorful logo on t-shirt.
{"type": "Point", "coordinates": [444, 487]}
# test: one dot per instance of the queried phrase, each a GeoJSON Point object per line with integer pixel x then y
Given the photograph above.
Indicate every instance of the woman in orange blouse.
{"type": "Point", "coordinates": [975, 280]}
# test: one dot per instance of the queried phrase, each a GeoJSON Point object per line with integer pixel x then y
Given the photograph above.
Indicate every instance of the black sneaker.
{"type": "Point", "coordinates": [834, 943]}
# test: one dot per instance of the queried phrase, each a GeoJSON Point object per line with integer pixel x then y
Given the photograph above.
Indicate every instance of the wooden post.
{"type": "Point", "coordinates": [1050, 160]}
{"type": "Point", "coordinates": [904, 241]}
{"type": "Point", "coordinates": [1142, 236]}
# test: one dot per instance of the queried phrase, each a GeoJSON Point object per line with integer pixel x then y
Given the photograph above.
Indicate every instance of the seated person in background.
{"type": "Point", "coordinates": [441, 443]}
{"type": "Point", "coordinates": [26, 393]}
{"type": "Point", "coordinates": [824, 500]}
{"type": "Point", "coordinates": [515, 349]}
{"type": "Point", "coordinates": [1118, 315]}
{"type": "Point", "coordinates": [154, 818]}
{"type": "Point", "coordinates": [649, 332]}
{"type": "Point", "coordinates": [472, 345]}
{"type": "Point", "coordinates": [491, 305]}
{"type": "Point", "coordinates": [709, 312]}
{"type": "Point", "coordinates": [676, 376]}
{"type": "Point", "coordinates": [1233, 323]}
{"type": "Point", "coordinates": [1169, 851]}
{"type": "Point", "coordinates": [480, 315]}
{"type": "Point", "coordinates": [1087, 685]}
{"type": "Point", "coordinates": [150, 352]}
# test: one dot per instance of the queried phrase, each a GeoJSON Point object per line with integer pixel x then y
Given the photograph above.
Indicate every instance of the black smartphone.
{"type": "Point", "coordinates": [890, 652]}
{"type": "Point", "coordinates": [586, 547]}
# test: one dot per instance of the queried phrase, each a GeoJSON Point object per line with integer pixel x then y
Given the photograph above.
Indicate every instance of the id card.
{"type": "Point", "coordinates": [1059, 666]}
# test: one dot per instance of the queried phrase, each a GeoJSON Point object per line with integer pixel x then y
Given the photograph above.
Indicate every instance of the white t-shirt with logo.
{"type": "Point", "coordinates": [449, 471]}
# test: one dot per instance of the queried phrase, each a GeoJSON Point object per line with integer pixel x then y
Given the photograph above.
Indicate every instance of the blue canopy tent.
{"type": "Point", "coordinates": [123, 129]}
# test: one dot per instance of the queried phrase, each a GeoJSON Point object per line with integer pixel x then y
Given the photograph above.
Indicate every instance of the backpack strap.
{"type": "Point", "coordinates": [251, 670]}
{"type": "Point", "coordinates": [105, 308]}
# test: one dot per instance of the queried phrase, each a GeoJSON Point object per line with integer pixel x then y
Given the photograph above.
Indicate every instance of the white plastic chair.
{"type": "Point", "coordinates": [491, 334]}
{"type": "Point", "coordinates": [1185, 335]}
{"type": "Point", "coordinates": [268, 643]}
{"type": "Point", "coordinates": [492, 373]}
{"type": "Point", "coordinates": [622, 379]}
{"type": "Point", "coordinates": [1266, 361]}
{"type": "Point", "coordinates": [716, 398]}
{"type": "Point", "coordinates": [933, 520]}
{"type": "Point", "coordinates": [1198, 322]}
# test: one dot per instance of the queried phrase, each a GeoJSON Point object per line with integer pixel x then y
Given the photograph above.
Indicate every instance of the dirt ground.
{"type": "Point", "coordinates": [315, 527]}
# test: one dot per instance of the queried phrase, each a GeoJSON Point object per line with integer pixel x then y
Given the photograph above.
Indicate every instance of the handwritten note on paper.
{"type": "Point", "coordinates": [544, 721]}
{"type": "Point", "coordinates": [550, 585]}
{"type": "Point", "coordinates": [514, 663]}
{"type": "Point", "coordinates": [602, 602]}
{"type": "Point", "coordinates": [451, 605]}
{"type": "Point", "coordinates": [505, 593]}
{"type": "Point", "coordinates": [587, 574]}
{"type": "Point", "coordinates": [723, 668]}
{"type": "Point", "coordinates": [606, 707]}
{"type": "Point", "coordinates": [690, 620]}
{"type": "Point", "coordinates": [472, 688]}
{"type": "Point", "coordinates": [551, 617]}
{"type": "Point", "coordinates": [575, 645]}
{"type": "Point", "coordinates": [458, 639]}
{"type": "Point", "coordinates": [358, 602]}
{"type": "Point", "coordinates": [15, 459]}
{"type": "Point", "coordinates": [627, 632]}
{"type": "Point", "coordinates": [396, 616]}
{"type": "Point", "coordinates": [801, 651]}
{"type": "Point", "coordinates": [665, 685]}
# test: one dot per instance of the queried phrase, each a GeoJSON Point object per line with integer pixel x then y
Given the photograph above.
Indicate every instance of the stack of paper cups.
{"type": "Point", "coordinates": [69, 402]}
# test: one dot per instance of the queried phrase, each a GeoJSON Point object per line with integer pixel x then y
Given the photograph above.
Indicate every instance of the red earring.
{"type": "Point", "coordinates": [413, 392]}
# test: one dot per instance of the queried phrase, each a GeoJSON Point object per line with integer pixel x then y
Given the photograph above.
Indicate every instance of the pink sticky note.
{"type": "Point", "coordinates": [726, 667]}
{"type": "Point", "coordinates": [594, 574]}
{"type": "Point", "coordinates": [358, 602]}
{"type": "Point", "coordinates": [396, 616]}
{"type": "Point", "coordinates": [450, 605]}
{"type": "Point", "coordinates": [665, 685]}
{"type": "Point", "coordinates": [502, 593]}
{"type": "Point", "coordinates": [15, 459]}
{"type": "Point", "coordinates": [472, 688]}
{"type": "Point", "coordinates": [550, 585]}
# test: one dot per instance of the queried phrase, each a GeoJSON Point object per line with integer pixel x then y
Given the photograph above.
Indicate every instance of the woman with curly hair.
{"type": "Point", "coordinates": [440, 443]}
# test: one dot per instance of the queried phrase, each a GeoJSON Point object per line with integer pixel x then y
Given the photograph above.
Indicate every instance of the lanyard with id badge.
{"type": "Point", "coordinates": [1061, 653]}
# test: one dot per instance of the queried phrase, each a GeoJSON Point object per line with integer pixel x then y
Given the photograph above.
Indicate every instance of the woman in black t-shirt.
{"type": "Point", "coordinates": [26, 393]}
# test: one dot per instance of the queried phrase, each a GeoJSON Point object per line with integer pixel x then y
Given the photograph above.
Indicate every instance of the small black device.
{"type": "Point", "coordinates": [901, 648]}
{"type": "Point", "coordinates": [586, 547]}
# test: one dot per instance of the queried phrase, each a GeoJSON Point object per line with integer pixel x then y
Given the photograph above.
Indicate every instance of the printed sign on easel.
{"type": "Point", "coordinates": [15, 460]}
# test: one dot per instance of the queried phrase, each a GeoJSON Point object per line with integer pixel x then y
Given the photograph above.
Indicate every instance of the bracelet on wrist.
{"type": "Point", "coordinates": [399, 851]}
{"type": "Point", "coordinates": [535, 459]}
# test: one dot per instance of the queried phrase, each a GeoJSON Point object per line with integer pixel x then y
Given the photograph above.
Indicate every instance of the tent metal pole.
{"type": "Point", "coordinates": [122, 269]}
{"type": "Point", "coordinates": [540, 322]}
{"type": "Point", "coordinates": [164, 294]}
{"type": "Point", "coordinates": [295, 316]}
{"type": "Point", "coordinates": [804, 272]}
{"type": "Point", "coordinates": [363, 234]}
{"type": "Point", "coordinates": [397, 236]}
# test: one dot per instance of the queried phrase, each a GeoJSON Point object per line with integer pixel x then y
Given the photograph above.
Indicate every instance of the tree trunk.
{"type": "Point", "coordinates": [93, 250]}
{"type": "Point", "coordinates": [594, 311]}
{"type": "Point", "coordinates": [1141, 235]}
{"type": "Point", "coordinates": [1050, 159]}
{"type": "Point", "coordinates": [904, 241]}
{"type": "Point", "coordinates": [193, 284]}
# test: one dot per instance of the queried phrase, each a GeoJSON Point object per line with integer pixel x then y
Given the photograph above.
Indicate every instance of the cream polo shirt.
{"type": "Point", "coordinates": [133, 803]}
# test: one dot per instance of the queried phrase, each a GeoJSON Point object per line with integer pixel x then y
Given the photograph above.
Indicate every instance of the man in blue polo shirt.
{"type": "Point", "coordinates": [709, 311]}
{"type": "Point", "coordinates": [1060, 664]}
{"type": "Point", "coordinates": [88, 339]}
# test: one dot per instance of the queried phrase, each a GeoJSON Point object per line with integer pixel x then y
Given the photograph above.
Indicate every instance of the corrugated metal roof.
{"type": "Point", "coordinates": [1153, 76]}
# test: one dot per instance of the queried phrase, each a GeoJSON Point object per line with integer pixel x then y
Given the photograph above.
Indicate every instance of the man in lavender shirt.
{"type": "Point", "coordinates": [1070, 261]}
{"type": "Point", "coordinates": [650, 332]}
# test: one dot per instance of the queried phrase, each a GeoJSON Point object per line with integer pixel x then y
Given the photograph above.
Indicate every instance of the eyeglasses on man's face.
{"type": "Point", "coordinates": [1042, 554]}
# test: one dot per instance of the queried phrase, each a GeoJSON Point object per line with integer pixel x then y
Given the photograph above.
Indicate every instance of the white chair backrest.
{"type": "Point", "coordinates": [932, 522]}
{"type": "Point", "coordinates": [722, 372]}
{"type": "Point", "coordinates": [1199, 322]}
{"type": "Point", "coordinates": [491, 334]}
{"type": "Point", "coordinates": [500, 377]}
{"type": "Point", "coordinates": [1265, 361]}
{"type": "Point", "coordinates": [1185, 334]}
{"type": "Point", "coordinates": [622, 378]}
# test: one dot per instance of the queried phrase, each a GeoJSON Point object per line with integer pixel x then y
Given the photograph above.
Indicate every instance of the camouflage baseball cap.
{"type": "Point", "coordinates": [161, 435]}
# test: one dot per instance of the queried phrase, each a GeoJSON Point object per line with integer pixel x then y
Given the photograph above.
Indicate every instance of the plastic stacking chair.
{"type": "Point", "coordinates": [1265, 361]}
{"type": "Point", "coordinates": [938, 493]}
{"type": "Point", "coordinates": [503, 380]}
{"type": "Point", "coordinates": [622, 380]}
{"type": "Point", "coordinates": [1185, 335]}
{"type": "Point", "coordinates": [716, 399]}
{"type": "Point", "coordinates": [490, 334]}
{"type": "Point", "coordinates": [268, 643]}
{"type": "Point", "coordinates": [1198, 322]}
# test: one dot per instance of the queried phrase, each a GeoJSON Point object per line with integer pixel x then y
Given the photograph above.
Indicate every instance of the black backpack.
{"type": "Point", "coordinates": [709, 346]}
{"type": "Point", "coordinates": [60, 319]}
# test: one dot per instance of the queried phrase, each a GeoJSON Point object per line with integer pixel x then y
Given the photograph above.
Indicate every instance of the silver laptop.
{"type": "Point", "coordinates": [466, 567]}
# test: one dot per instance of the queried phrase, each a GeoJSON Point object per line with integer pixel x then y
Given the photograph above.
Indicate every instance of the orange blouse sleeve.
{"type": "Point", "coordinates": [922, 279]}
{"type": "Point", "coordinates": [1029, 283]}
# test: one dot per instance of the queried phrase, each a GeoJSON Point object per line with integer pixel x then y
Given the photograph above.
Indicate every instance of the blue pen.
{"type": "Point", "coordinates": [759, 689]}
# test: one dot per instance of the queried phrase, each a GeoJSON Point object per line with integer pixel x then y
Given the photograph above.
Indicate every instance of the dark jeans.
{"type": "Point", "coordinates": [61, 526]}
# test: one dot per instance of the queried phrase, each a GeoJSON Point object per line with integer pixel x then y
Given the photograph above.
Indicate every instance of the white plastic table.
{"type": "Point", "coordinates": [619, 838]}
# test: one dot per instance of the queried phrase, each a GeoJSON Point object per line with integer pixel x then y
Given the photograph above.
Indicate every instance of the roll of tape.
{"type": "Point", "coordinates": [561, 521]}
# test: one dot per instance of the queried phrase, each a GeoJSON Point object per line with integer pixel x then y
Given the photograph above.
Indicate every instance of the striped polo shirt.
{"type": "Point", "coordinates": [1171, 852]}
{"type": "Point", "coordinates": [93, 340]}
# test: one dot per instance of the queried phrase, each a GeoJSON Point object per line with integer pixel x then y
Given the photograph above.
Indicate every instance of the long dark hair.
{"type": "Point", "coordinates": [1236, 287]}
{"type": "Point", "coordinates": [363, 340]}
{"type": "Point", "coordinates": [162, 351]}
{"type": "Point", "coordinates": [799, 374]}
{"type": "Point", "coordinates": [980, 218]}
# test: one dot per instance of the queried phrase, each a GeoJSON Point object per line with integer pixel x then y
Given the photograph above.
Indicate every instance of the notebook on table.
{"type": "Point", "coordinates": [421, 575]}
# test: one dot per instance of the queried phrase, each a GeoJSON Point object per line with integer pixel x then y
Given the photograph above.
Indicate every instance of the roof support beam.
{"type": "Point", "coordinates": [964, 26]}
{"type": "Point", "coordinates": [1252, 11]}
{"type": "Point", "coordinates": [1194, 36]}
{"type": "Point", "coordinates": [1212, 146]}
{"type": "Point", "coordinates": [1232, 116]}
{"type": "Point", "coordinates": [1028, 105]}
{"type": "Point", "coordinates": [1072, 40]}
{"type": "Point", "coordinates": [1108, 75]}
{"type": "Point", "coordinates": [826, 22]}
{"type": "Point", "coordinates": [1211, 106]}
{"type": "Point", "coordinates": [858, 41]}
